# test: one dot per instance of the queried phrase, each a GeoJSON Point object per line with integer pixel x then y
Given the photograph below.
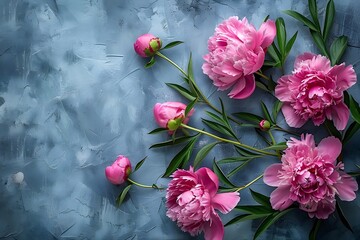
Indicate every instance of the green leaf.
{"type": "Point", "coordinates": [266, 112]}
{"type": "Point", "coordinates": [139, 164]}
{"type": "Point", "coordinates": [172, 44]}
{"type": "Point", "coordinates": [354, 107]}
{"type": "Point", "coordinates": [203, 152]}
{"type": "Point", "coordinates": [255, 209]}
{"type": "Point", "coordinates": [2, 101]}
{"type": "Point", "coordinates": [172, 142]}
{"type": "Point", "coordinates": [150, 63]}
{"type": "Point", "coordinates": [158, 130]}
{"type": "Point", "coordinates": [337, 49]}
{"type": "Point", "coordinates": [270, 63]}
{"type": "Point", "coordinates": [122, 195]}
{"type": "Point", "coordinates": [222, 176]}
{"type": "Point", "coordinates": [183, 91]}
{"type": "Point", "coordinates": [274, 53]}
{"type": "Point", "coordinates": [278, 147]}
{"type": "Point", "coordinates": [302, 19]}
{"type": "Point", "coordinates": [181, 158]}
{"type": "Point", "coordinates": [314, 229]}
{"type": "Point", "coordinates": [329, 18]}
{"type": "Point", "coordinates": [342, 217]}
{"type": "Point", "coordinates": [190, 69]}
{"type": "Point", "coordinates": [266, 18]}
{"type": "Point", "coordinates": [281, 36]}
{"type": "Point", "coordinates": [314, 13]}
{"type": "Point", "coordinates": [219, 128]}
{"type": "Point", "coordinates": [352, 129]}
{"type": "Point", "coordinates": [290, 43]}
{"type": "Point", "coordinates": [332, 130]}
{"type": "Point", "coordinates": [190, 106]}
{"type": "Point", "coordinates": [215, 116]}
{"type": "Point", "coordinates": [248, 117]}
{"type": "Point", "coordinates": [238, 168]}
{"type": "Point", "coordinates": [262, 86]}
{"type": "Point", "coordinates": [319, 43]}
{"type": "Point", "coordinates": [261, 199]}
{"type": "Point", "coordinates": [269, 220]}
{"type": "Point", "coordinates": [245, 217]}
{"type": "Point", "coordinates": [244, 152]}
{"type": "Point", "coordinates": [237, 159]}
{"type": "Point", "coordinates": [276, 109]}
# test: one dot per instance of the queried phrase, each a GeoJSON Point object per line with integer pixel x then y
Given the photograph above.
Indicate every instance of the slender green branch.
{"type": "Point", "coordinates": [172, 63]}
{"type": "Point", "coordinates": [229, 141]}
{"type": "Point", "coordinates": [247, 185]}
{"type": "Point", "coordinates": [139, 184]}
{"type": "Point", "coordinates": [271, 137]}
{"type": "Point", "coordinates": [262, 75]}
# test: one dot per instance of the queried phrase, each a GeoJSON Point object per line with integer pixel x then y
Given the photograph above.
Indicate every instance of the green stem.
{"type": "Point", "coordinates": [139, 184]}
{"type": "Point", "coordinates": [247, 185]}
{"type": "Point", "coordinates": [229, 141]}
{"type": "Point", "coordinates": [262, 75]}
{"type": "Point", "coordinates": [276, 127]}
{"type": "Point", "coordinates": [272, 137]}
{"type": "Point", "coordinates": [172, 63]}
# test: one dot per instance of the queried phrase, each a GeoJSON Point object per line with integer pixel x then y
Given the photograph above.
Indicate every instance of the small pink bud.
{"type": "Point", "coordinates": [147, 45]}
{"type": "Point", "coordinates": [170, 115]}
{"type": "Point", "coordinates": [119, 171]}
{"type": "Point", "coordinates": [264, 125]}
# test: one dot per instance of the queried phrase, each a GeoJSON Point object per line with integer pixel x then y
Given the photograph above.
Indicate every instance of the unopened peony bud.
{"type": "Point", "coordinates": [119, 171]}
{"type": "Point", "coordinates": [147, 45]}
{"type": "Point", "coordinates": [264, 125]}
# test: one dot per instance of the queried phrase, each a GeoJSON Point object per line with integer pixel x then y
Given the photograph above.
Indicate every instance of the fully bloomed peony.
{"type": "Point", "coordinates": [315, 91]}
{"type": "Point", "coordinates": [310, 176]}
{"type": "Point", "coordinates": [171, 114]}
{"type": "Point", "coordinates": [119, 171]}
{"type": "Point", "coordinates": [192, 199]}
{"type": "Point", "coordinates": [236, 51]}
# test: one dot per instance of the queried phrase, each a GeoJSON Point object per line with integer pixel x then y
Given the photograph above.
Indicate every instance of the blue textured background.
{"type": "Point", "coordinates": [76, 96]}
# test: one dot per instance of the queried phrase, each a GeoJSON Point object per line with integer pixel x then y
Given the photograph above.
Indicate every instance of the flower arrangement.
{"type": "Point", "coordinates": [308, 176]}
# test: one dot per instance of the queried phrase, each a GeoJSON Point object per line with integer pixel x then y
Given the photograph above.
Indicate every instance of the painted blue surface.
{"type": "Point", "coordinates": [76, 96]}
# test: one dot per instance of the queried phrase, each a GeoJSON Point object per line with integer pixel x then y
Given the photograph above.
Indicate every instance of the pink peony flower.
{"type": "Point", "coordinates": [147, 45]}
{"type": "Point", "coordinates": [236, 51]}
{"type": "Point", "coordinates": [309, 175]}
{"type": "Point", "coordinates": [119, 171]}
{"type": "Point", "coordinates": [171, 114]}
{"type": "Point", "coordinates": [192, 199]}
{"type": "Point", "coordinates": [315, 91]}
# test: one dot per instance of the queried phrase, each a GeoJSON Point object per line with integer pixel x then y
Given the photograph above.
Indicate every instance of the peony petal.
{"type": "Point", "coordinates": [340, 116]}
{"type": "Point", "coordinates": [346, 187]}
{"type": "Point", "coordinates": [268, 30]}
{"type": "Point", "coordinates": [280, 198]}
{"type": "Point", "coordinates": [291, 118]}
{"type": "Point", "coordinates": [345, 76]}
{"type": "Point", "coordinates": [330, 146]}
{"type": "Point", "coordinates": [303, 57]}
{"type": "Point", "coordinates": [214, 229]}
{"type": "Point", "coordinates": [239, 91]}
{"type": "Point", "coordinates": [324, 209]}
{"type": "Point", "coordinates": [271, 175]}
{"type": "Point", "coordinates": [209, 180]}
{"type": "Point", "coordinates": [225, 202]}
{"type": "Point", "coordinates": [282, 91]}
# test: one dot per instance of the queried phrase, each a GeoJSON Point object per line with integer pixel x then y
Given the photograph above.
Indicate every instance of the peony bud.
{"type": "Point", "coordinates": [170, 115]}
{"type": "Point", "coordinates": [147, 45]}
{"type": "Point", "coordinates": [119, 171]}
{"type": "Point", "coordinates": [264, 125]}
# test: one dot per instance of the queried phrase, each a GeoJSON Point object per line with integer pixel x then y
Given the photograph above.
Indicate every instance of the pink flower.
{"type": "Point", "coordinates": [119, 171]}
{"type": "Point", "coordinates": [236, 51]}
{"type": "Point", "coordinates": [147, 45]}
{"type": "Point", "coordinates": [308, 175]}
{"type": "Point", "coordinates": [171, 114]}
{"type": "Point", "coordinates": [192, 199]}
{"type": "Point", "coordinates": [315, 91]}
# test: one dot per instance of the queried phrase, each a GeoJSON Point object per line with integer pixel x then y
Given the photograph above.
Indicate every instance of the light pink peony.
{"type": "Point", "coordinates": [236, 51]}
{"type": "Point", "coordinates": [192, 199]}
{"type": "Point", "coordinates": [147, 45]}
{"type": "Point", "coordinates": [119, 171]}
{"type": "Point", "coordinates": [170, 114]}
{"type": "Point", "coordinates": [315, 91]}
{"type": "Point", "coordinates": [310, 176]}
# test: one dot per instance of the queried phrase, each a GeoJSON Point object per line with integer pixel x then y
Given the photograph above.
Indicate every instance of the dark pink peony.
{"type": "Point", "coordinates": [236, 51]}
{"type": "Point", "coordinates": [192, 199]}
{"type": "Point", "coordinates": [171, 114]}
{"type": "Point", "coordinates": [119, 171]}
{"type": "Point", "coordinates": [310, 176]}
{"type": "Point", "coordinates": [315, 91]}
{"type": "Point", "coordinates": [147, 45]}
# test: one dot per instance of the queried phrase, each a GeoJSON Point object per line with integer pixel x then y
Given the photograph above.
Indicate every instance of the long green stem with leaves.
{"type": "Point", "coordinates": [247, 185]}
{"type": "Point", "coordinates": [140, 185]}
{"type": "Point", "coordinates": [229, 141]}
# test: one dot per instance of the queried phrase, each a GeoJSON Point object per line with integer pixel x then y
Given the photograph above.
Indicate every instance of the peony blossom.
{"type": "Point", "coordinates": [192, 199]}
{"type": "Point", "coordinates": [315, 91]}
{"type": "Point", "coordinates": [119, 171]}
{"type": "Point", "coordinates": [310, 176]}
{"type": "Point", "coordinates": [147, 45]}
{"type": "Point", "coordinates": [171, 114]}
{"type": "Point", "coordinates": [236, 51]}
